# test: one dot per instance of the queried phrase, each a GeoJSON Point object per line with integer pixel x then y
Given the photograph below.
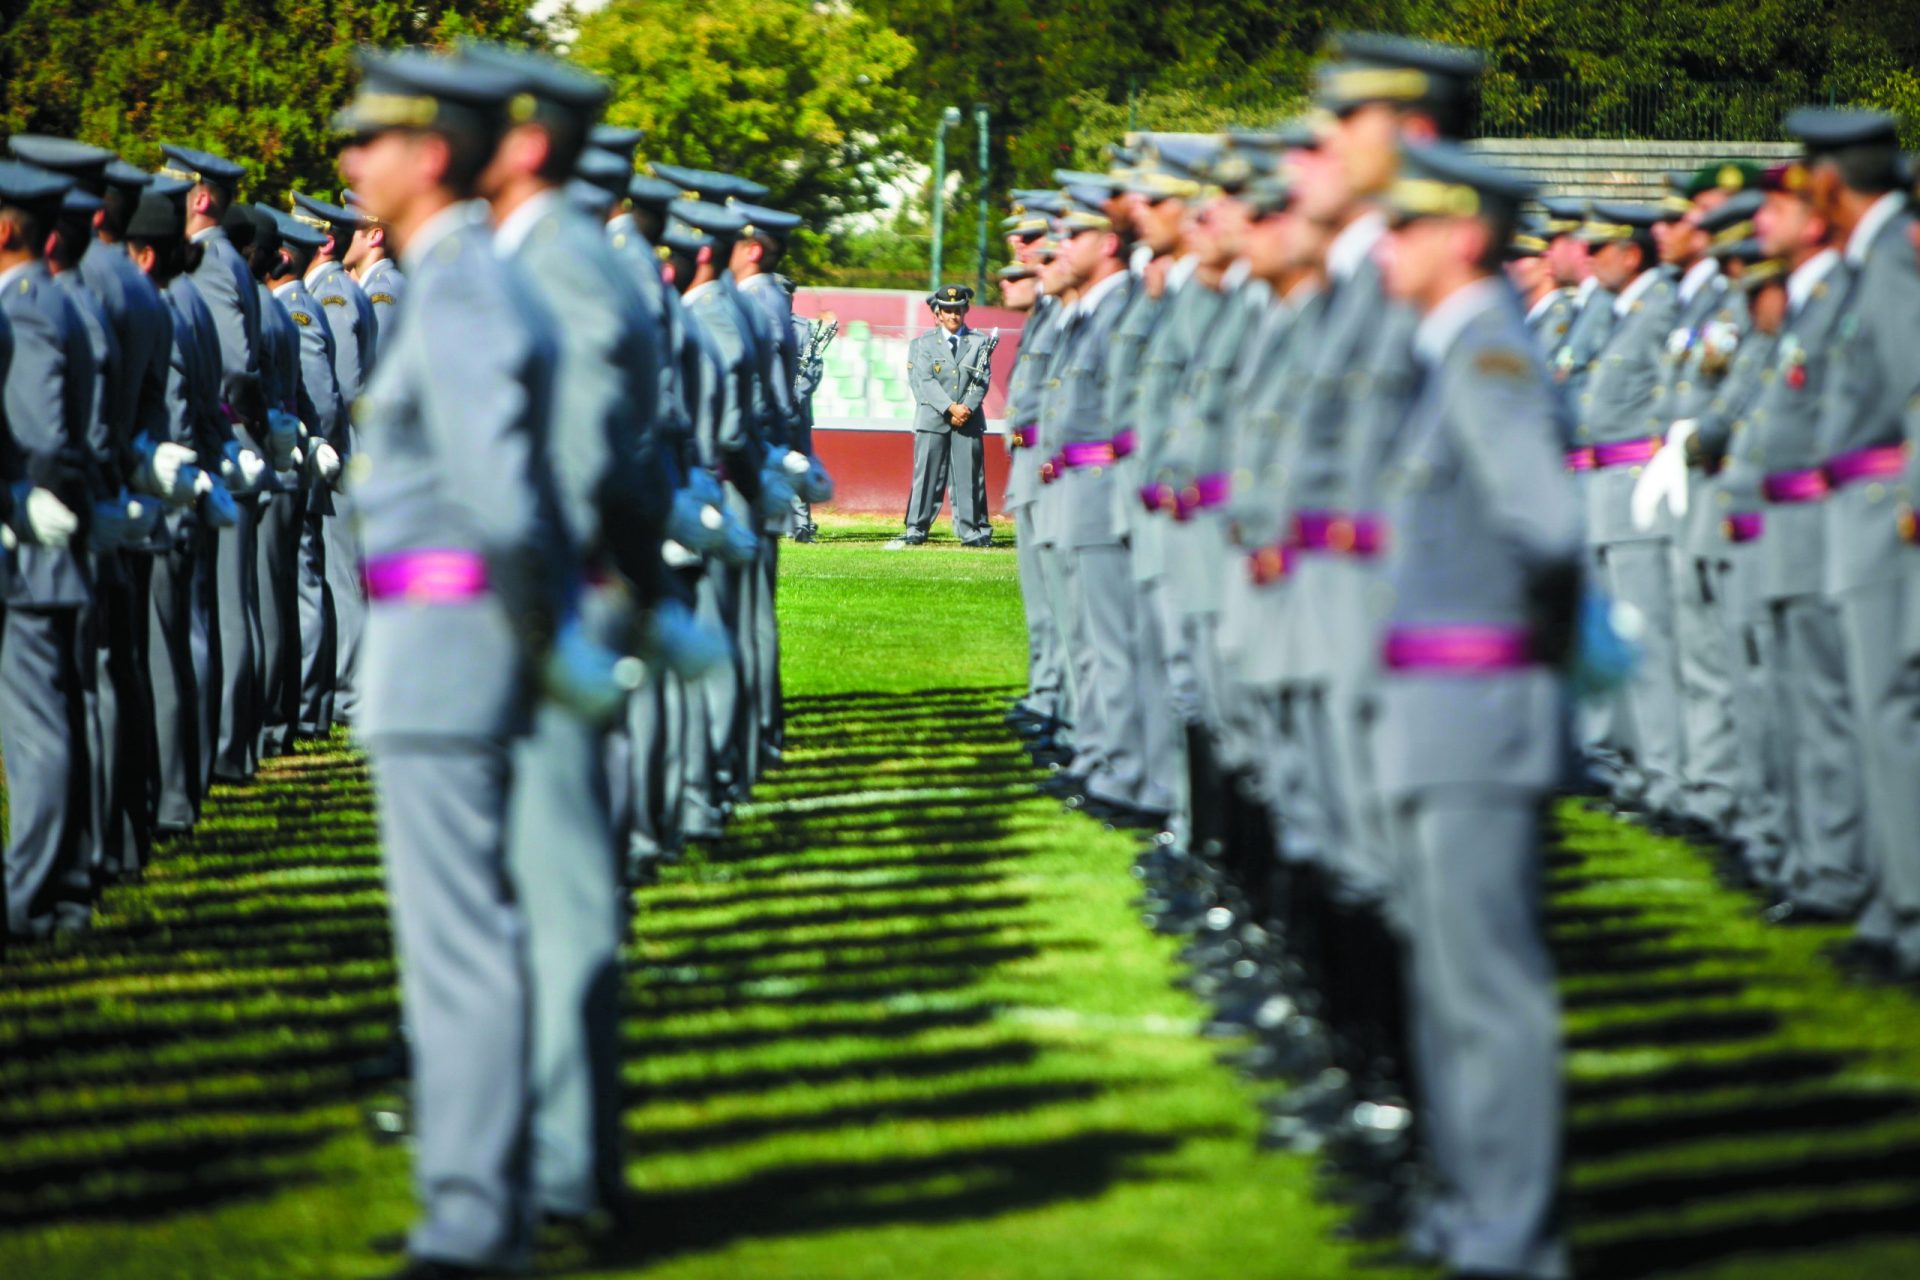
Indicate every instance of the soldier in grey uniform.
{"type": "Point", "coordinates": [1484, 573]}
{"type": "Point", "coordinates": [468, 571]}
{"type": "Point", "coordinates": [946, 369]}
{"type": "Point", "coordinates": [47, 396]}
{"type": "Point", "coordinates": [1020, 292]}
{"type": "Point", "coordinates": [1549, 305]}
{"type": "Point", "coordinates": [1866, 423]}
{"type": "Point", "coordinates": [356, 330]}
{"type": "Point", "coordinates": [367, 260]}
{"type": "Point", "coordinates": [1620, 420]}
{"type": "Point", "coordinates": [232, 301]}
{"type": "Point", "coordinates": [613, 490]}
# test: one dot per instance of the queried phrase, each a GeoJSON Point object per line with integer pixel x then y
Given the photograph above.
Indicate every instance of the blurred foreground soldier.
{"type": "Point", "coordinates": [356, 330]}
{"type": "Point", "coordinates": [612, 500]}
{"type": "Point", "coordinates": [224, 284]}
{"type": "Point", "coordinates": [48, 392]}
{"type": "Point", "coordinates": [467, 571]}
{"type": "Point", "coordinates": [1470, 708]}
{"type": "Point", "coordinates": [1866, 428]}
{"type": "Point", "coordinates": [947, 369]}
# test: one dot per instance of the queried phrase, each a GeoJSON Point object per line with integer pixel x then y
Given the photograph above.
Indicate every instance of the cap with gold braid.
{"type": "Point", "coordinates": [415, 90]}
{"type": "Point", "coordinates": [1612, 221]}
{"type": "Point", "coordinates": [1731, 225]}
{"type": "Point", "coordinates": [1369, 67]}
{"type": "Point", "coordinates": [187, 165]}
{"type": "Point", "coordinates": [950, 297]}
{"type": "Point", "coordinates": [1565, 216]}
{"type": "Point", "coordinates": [321, 216]}
{"type": "Point", "coordinates": [1444, 180]}
{"type": "Point", "coordinates": [1081, 209]}
{"type": "Point", "coordinates": [351, 203]}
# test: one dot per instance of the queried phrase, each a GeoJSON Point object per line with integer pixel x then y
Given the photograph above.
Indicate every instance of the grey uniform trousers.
{"type": "Point", "coordinates": [237, 753]}
{"type": "Point", "coordinates": [44, 741]}
{"type": "Point", "coordinates": [464, 991]}
{"type": "Point", "coordinates": [960, 456]}
{"type": "Point", "coordinates": [766, 640]}
{"type": "Point", "coordinates": [713, 711]}
{"type": "Point", "coordinates": [1640, 574]}
{"type": "Point", "coordinates": [277, 576]}
{"type": "Point", "coordinates": [1884, 684]}
{"type": "Point", "coordinates": [1706, 688]}
{"type": "Point", "coordinates": [1486, 1032]}
{"type": "Point", "coordinates": [1827, 863]}
{"type": "Point", "coordinates": [1762, 752]}
{"type": "Point", "coordinates": [1043, 639]}
{"type": "Point", "coordinates": [319, 631]}
{"type": "Point", "coordinates": [208, 660]}
{"type": "Point", "coordinates": [561, 851]}
{"type": "Point", "coordinates": [120, 747]}
{"type": "Point", "coordinates": [1105, 649]}
{"type": "Point", "coordinates": [1054, 565]}
{"type": "Point", "coordinates": [176, 689]}
{"type": "Point", "coordinates": [349, 605]}
{"type": "Point", "coordinates": [1168, 701]}
{"type": "Point", "coordinates": [655, 767]}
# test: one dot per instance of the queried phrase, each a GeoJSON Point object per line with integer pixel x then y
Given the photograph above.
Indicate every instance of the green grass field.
{"type": "Point", "coordinates": [903, 1023]}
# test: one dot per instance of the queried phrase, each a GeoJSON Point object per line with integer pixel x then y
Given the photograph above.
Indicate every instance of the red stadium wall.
{"type": "Point", "coordinates": [868, 446]}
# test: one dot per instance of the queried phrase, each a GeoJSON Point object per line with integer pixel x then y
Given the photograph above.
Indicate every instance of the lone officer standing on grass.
{"type": "Point", "coordinates": [947, 369]}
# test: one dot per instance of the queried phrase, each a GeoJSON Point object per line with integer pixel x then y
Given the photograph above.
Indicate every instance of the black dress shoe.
{"type": "Point", "coordinates": [1064, 786]}
{"type": "Point", "coordinates": [913, 539]}
{"type": "Point", "coordinates": [1794, 914]}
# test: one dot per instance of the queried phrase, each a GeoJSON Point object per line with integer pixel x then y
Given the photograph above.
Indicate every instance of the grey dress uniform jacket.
{"type": "Point", "coordinates": [940, 378]}
{"type": "Point", "coordinates": [1075, 413]}
{"type": "Point", "coordinates": [385, 287]}
{"type": "Point", "coordinates": [49, 399]}
{"type": "Point", "coordinates": [1621, 403]}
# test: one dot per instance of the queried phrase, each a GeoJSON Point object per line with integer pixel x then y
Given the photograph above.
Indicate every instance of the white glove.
{"type": "Point", "coordinates": [676, 556]}
{"type": "Point", "coordinates": [776, 494]}
{"type": "Point", "coordinates": [50, 522]}
{"type": "Point", "coordinates": [217, 502]}
{"type": "Point", "coordinates": [326, 462]}
{"type": "Point", "coordinates": [697, 526]}
{"type": "Point", "coordinates": [587, 678]}
{"type": "Point", "coordinates": [677, 640]}
{"type": "Point", "coordinates": [243, 469]}
{"type": "Point", "coordinates": [162, 472]}
{"type": "Point", "coordinates": [1664, 479]}
{"type": "Point", "coordinates": [283, 439]}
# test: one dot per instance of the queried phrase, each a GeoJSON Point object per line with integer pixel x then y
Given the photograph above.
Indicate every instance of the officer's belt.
{"type": "Point", "coordinates": [1126, 444]}
{"type": "Point", "coordinates": [1626, 453]}
{"type": "Point", "coordinates": [1581, 459]}
{"type": "Point", "coordinates": [1882, 462]}
{"type": "Point", "coordinates": [1462, 649]}
{"type": "Point", "coordinates": [1025, 437]}
{"type": "Point", "coordinates": [1158, 497]}
{"type": "Point", "coordinates": [1339, 533]}
{"type": "Point", "coordinates": [1086, 453]}
{"type": "Point", "coordinates": [1271, 563]}
{"type": "Point", "coordinates": [1204, 494]}
{"type": "Point", "coordinates": [1796, 486]}
{"type": "Point", "coordinates": [1744, 526]}
{"type": "Point", "coordinates": [426, 577]}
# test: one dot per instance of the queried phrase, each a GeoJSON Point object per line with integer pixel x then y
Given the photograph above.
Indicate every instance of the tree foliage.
{"type": "Point", "coordinates": [805, 98]}
{"type": "Point", "coordinates": [255, 80]}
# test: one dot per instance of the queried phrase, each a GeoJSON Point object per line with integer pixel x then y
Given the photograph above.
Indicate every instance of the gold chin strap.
{"type": "Point", "coordinates": [1604, 231]}
{"type": "Point", "coordinates": [1732, 235]}
{"type": "Point", "coordinates": [1384, 84]}
{"type": "Point", "coordinates": [393, 111]}
{"type": "Point", "coordinates": [1530, 244]}
{"type": "Point", "coordinates": [318, 224]}
{"type": "Point", "coordinates": [183, 175]}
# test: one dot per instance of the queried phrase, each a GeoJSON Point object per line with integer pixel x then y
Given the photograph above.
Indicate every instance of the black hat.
{"type": "Point", "coordinates": [1529, 240]}
{"type": "Point", "coordinates": [1369, 67]}
{"type": "Point", "coordinates": [323, 216]}
{"type": "Point", "coordinates": [83, 163]}
{"type": "Point", "coordinates": [717, 221]}
{"type": "Point", "coordinates": [950, 297]}
{"type": "Point", "coordinates": [157, 217]}
{"type": "Point", "coordinates": [1723, 175]}
{"type": "Point", "coordinates": [293, 231]}
{"type": "Point", "coordinates": [1864, 144]}
{"type": "Point", "coordinates": [1268, 194]}
{"type": "Point", "coordinates": [189, 165]}
{"type": "Point", "coordinates": [617, 140]}
{"type": "Point", "coordinates": [605, 170]}
{"type": "Point", "coordinates": [712, 187]}
{"type": "Point", "coordinates": [1445, 180]}
{"type": "Point", "coordinates": [80, 200]}
{"type": "Point", "coordinates": [31, 187]}
{"type": "Point", "coordinates": [1017, 271]}
{"type": "Point", "coordinates": [1611, 221]}
{"type": "Point", "coordinates": [548, 90]}
{"type": "Point", "coordinates": [238, 224]}
{"type": "Point", "coordinates": [266, 228]}
{"type": "Point", "coordinates": [414, 89]}
{"type": "Point", "coordinates": [589, 197]}
{"type": "Point", "coordinates": [760, 219]}
{"type": "Point", "coordinates": [654, 193]}
{"type": "Point", "coordinates": [1732, 223]}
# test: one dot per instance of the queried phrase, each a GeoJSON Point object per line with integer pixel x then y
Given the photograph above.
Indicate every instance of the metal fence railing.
{"type": "Point", "coordinates": [1707, 111]}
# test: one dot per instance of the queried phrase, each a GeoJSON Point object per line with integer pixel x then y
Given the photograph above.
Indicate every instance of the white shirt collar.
{"type": "Point", "coordinates": [1547, 299]}
{"type": "Point", "coordinates": [1137, 260]}
{"type": "Point", "coordinates": [1182, 271]}
{"type": "Point", "coordinates": [1635, 291]}
{"type": "Point", "coordinates": [318, 269]}
{"type": "Point", "coordinates": [698, 290]}
{"type": "Point", "coordinates": [1351, 248]}
{"type": "Point", "coordinates": [203, 235]}
{"type": "Point", "coordinates": [1801, 283]}
{"type": "Point", "coordinates": [1586, 290]}
{"type": "Point", "coordinates": [1878, 215]}
{"type": "Point", "coordinates": [1698, 277]}
{"type": "Point", "coordinates": [434, 230]}
{"type": "Point", "coordinates": [14, 272]}
{"type": "Point", "coordinates": [1237, 273]}
{"type": "Point", "coordinates": [1443, 325]}
{"type": "Point", "coordinates": [1091, 298]}
{"type": "Point", "coordinates": [511, 234]}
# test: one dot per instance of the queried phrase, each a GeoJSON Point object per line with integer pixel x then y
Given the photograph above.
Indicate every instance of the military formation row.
{"type": "Point", "coordinates": [513, 515]}
{"type": "Point", "coordinates": [1362, 510]}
